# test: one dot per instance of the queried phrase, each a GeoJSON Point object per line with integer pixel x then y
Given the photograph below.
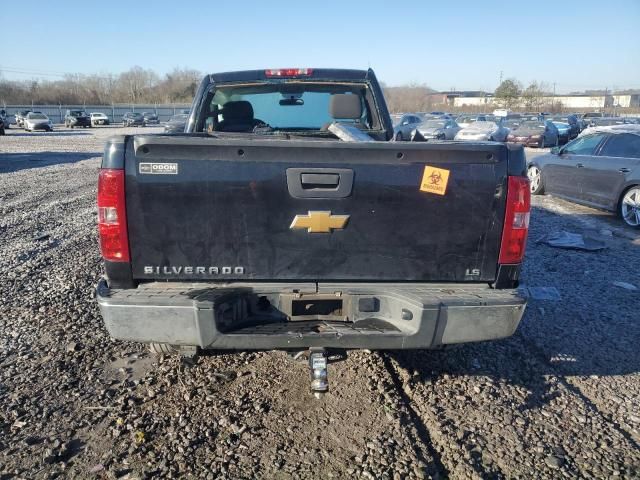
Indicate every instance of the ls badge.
{"type": "Point", "coordinates": [319, 222]}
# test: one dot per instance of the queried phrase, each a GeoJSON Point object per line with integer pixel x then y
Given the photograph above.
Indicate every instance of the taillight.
{"type": "Point", "coordinates": [112, 216]}
{"type": "Point", "coordinates": [288, 72]}
{"type": "Point", "coordinates": [516, 220]}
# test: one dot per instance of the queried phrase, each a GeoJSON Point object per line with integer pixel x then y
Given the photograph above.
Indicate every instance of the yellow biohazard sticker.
{"type": "Point", "coordinates": [434, 180]}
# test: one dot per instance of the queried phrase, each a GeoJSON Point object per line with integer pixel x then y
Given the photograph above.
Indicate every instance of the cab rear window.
{"type": "Point", "coordinates": [285, 106]}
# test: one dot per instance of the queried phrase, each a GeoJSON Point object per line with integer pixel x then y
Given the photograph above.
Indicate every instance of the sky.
{"type": "Point", "coordinates": [461, 45]}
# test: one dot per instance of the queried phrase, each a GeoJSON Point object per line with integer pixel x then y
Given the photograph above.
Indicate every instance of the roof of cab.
{"type": "Point", "coordinates": [316, 73]}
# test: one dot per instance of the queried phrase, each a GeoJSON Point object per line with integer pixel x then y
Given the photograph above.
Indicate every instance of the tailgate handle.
{"type": "Point", "coordinates": [319, 182]}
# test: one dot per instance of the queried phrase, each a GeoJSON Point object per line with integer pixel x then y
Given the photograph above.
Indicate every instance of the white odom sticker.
{"type": "Point", "coordinates": [159, 168]}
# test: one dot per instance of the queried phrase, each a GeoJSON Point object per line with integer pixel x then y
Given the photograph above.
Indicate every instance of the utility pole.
{"type": "Point", "coordinates": [553, 102]}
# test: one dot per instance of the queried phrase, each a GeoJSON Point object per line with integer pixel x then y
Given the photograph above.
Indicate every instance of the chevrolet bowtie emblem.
{"type": "Point", "coordinates": [319, 222]}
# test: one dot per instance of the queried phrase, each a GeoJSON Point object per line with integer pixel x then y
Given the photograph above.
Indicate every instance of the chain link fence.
{"type": "Point", "coordinates": [115, 112]}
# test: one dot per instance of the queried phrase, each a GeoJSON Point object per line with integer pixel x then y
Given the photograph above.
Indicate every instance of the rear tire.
{"type": "Point", "coordinates": [535, 177]}
{"type": "Point", "coordinates": [629, 207]}
{"type": "Point", "coordinates": [162, 349]}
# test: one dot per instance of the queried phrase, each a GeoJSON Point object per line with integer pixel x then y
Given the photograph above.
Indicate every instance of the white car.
{"type": "Point", "coordinates": [483, 131]}
{"type": "Point", "coordinates": [37, 121]}
{"type": "Point", "coordinates": [99, 118]}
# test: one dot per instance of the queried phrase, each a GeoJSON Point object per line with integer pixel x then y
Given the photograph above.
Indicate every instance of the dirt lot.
{"type": "Point", "coordinates": [557, 400]}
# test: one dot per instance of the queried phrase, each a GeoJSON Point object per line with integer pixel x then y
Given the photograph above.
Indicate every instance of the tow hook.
{"type": "Point", "coordinates": [319, 374]}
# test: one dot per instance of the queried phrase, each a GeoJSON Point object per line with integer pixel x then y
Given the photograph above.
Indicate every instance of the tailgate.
{"type": "Point", "coordinates": [205, 208]}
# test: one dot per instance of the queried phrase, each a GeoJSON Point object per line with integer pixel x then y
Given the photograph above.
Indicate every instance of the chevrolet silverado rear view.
{"type": "Point", "coordinates": [263, 227]}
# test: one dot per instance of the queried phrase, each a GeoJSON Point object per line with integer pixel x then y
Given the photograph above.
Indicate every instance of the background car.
{"type": "Point", "coordinates": [465, 120]}
{"type": "Point", "coordinates": [37, 121]}
{"type": "Point", "coordinates": [132, 119]}
{"type": "Point", "coordinates": [176, 124]}
{"type": "Point", "coordinates": [606, 121]}
{"type": "Point", "coordinates": [436, 128]}
{"type": "Point", "coordinates": [407, 124]}
{"type": "Point", "coordinates": [511, 123]}
{"type": "Point", "coordinates": [77, 118]}
{"type": "Point", "coordinates": [4, 121]}
{"type": "Point", "coordinates": [483, 131]}
{"type": "Point", "coordinates": [20, 116]}
{"type": "Point", "coordinates": [99, 118]}
{"type": "Point", "coordinates": [564, 131]}
{"type": "Point", "coordinates": [535, 133]}
{"type": "Point", "coordinates": [587, 117]}
{"type": "Point", "coordinates": [575, 125]}
{"type": "Point", "coordinates": [150, 118]}
{"type": "Point", "coordinates": [600, 169]}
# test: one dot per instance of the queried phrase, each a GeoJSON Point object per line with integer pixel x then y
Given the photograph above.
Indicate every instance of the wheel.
{"type": "Point", "coordinates": [535, 177]}
{"type": "Point", "coordinates": [629, 208]}
{"type": "Point", "coordinates": [1, 131]}
{"type": "Point", "coordinates": [162, 349]}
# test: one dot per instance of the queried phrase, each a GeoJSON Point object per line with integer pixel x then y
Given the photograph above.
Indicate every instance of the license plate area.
{"type": "Point", "coordinates": [304, 307]}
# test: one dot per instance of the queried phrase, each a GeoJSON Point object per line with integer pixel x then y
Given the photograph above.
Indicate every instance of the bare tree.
{"type": "Point", "coordinates": [410, 98]}
{"type": "Point", "coordinates": [532, 96]}
{"type": "Point", "coordinates": [137, 83]}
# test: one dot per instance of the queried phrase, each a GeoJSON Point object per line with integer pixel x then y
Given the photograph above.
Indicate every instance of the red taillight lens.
{"type": "Point", "coordinates": [516, 220]}
{"type": "Point", "coordinates": [112, 216]}
{"type": "Point", "coordinates": [288, 72]}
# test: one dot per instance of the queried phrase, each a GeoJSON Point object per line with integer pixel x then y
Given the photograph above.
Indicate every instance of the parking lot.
{"type": "Point", "coordinates": [559, 399]}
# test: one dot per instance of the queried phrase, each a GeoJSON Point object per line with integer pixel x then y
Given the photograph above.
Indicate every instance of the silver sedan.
{"type": "Point", "coordinates": [407, 124]}
{"type": "Point", "coordinates": [437, 129]}
{"type": "Point", "coordinates": [483, 131]}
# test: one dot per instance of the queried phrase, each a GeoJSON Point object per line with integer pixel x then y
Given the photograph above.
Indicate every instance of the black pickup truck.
{"type": "Point", "coordinates": [259, 228]}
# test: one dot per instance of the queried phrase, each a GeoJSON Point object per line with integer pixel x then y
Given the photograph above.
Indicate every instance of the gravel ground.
{"type": "Point", "coordinates": [557, 400]}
